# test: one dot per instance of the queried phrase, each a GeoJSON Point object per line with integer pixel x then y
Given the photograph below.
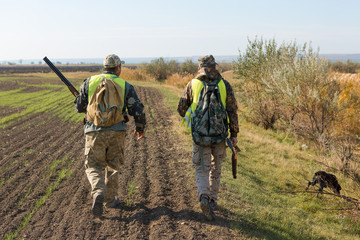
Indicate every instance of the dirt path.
{"type": "Point", "coordinates": [157, 188]}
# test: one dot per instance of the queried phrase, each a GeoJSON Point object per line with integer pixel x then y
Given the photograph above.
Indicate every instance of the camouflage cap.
{"type": "Point", "coordinates": [112, 61]}
{"type": "Point", "coordinates": [207, 61]}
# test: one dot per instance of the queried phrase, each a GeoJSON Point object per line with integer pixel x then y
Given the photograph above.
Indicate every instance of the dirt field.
{"type": "Point", "coordinates": [157, 187]}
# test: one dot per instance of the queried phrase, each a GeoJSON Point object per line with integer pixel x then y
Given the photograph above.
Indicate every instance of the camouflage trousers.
{"type": "Point", "coordinates": [208, 172]}
{"type": "Point", "coordinates": [104, 153]}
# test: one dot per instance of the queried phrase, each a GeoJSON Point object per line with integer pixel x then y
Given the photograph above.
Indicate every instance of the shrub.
{"type": "Point", "coordinates": [349, 101]}
{"type": "Point", "coordinates": [346, 141]}
{"type": "Point", "coordinates": [179, 80]}
{"type": "Point", "coordinates": [188, 67]}
{"type": "Point", "coordinates": [345, 67]}
{"type": "Point", "coordinates": [289, 83]}
{"type": "Point", "coordinates": [134, 74]}
{"type": "Point", "coordinates": [290, 87]}
{"type": "Point", "coordinates": [259, 62]}
{"type": "Point", "coordinates": [161, 69]}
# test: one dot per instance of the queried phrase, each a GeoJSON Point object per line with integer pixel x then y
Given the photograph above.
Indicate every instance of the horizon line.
{"type": "Point", "coordinates": [232, 55]}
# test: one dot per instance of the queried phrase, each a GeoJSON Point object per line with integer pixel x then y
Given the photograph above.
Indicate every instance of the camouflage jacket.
{"type": "Point", "coordinates": [132, 103]}
{"type": "Point", "coordinates": [207, 75]}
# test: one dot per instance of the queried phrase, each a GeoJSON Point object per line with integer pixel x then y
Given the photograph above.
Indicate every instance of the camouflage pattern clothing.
{"type": "Point", "coordinates": [208, 170]}
{"type": "Point", "coordinates": [208, 174]}
{"type": "Point", "coordinates": [211, 74]}
{"type": "Point", "coordinates": [104, 146]}
{"type": "Point", "coordinates": [132, 103]}
{"type": "Point", "coordinates": [104, 152]}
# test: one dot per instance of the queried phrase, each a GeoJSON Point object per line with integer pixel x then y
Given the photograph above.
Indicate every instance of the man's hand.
{"type": "Point", "coordinates": [234, 141]}
{"type": "Point", "coordinates": [140, 135]}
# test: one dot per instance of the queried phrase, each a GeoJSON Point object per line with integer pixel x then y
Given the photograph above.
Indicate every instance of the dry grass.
{"type": "Point", "coordinates": [126, 73]}
{"type": "Point", "coordinates": [179, 80]}
{"type": "Point", "coordinates": [229, 76]}
{"type": "Point", "coordinates": [135, 75]}
{"type": "Point", "coordinates": [348, 120]}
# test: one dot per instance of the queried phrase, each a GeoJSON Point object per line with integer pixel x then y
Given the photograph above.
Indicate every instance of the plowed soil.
{"type": "Point", "coordinates": [157, 184]}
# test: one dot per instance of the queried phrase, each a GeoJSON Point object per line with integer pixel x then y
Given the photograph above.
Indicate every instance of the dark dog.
{"type": "Point", "coordinates": [325, 180]}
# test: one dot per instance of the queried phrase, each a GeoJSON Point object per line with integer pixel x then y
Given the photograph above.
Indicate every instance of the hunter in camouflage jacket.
{"type": "Point", "coordinates": [132, 103]}
{"type": "Point", "coordinates": [210, 74]}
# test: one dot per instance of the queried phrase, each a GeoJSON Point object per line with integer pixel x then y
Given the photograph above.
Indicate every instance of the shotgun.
{"type": "Point", "coordinates": [69, 85]}
{"type": "Point", "coordinates": [62, 77]}
{"type": "Point", "coordinates": [233, 156]}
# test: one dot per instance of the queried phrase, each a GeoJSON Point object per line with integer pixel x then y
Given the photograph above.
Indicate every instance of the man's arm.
{"type": "Point", "coordinates": [81, 101]}
{"type": "Point", "coordinates": [135, 108]}
{"type": "Point", "coordinates": [231, 109]}
{"type": "Point", "coordinates": [185, 100]}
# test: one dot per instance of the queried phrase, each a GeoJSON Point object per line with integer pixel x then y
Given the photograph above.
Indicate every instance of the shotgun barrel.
{"type": "Point", "coordinates": [62, 77]}
{"type": "Point", "coordinates": [233, 157]}
{"type": "Point", "coordinates": [234, 163]}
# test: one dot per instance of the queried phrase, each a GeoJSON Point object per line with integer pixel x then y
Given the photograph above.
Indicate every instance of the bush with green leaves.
{"type": "Point", "coordinates": [290, 85]}
{"type": "Point", "coordinates": [188, 67]}
{"type": "Point", "coordinates": [345, 67]}
{"type": "Point", "coordinates": [261, 60]}
{"type": "Point", "coordinates": [160, 69]}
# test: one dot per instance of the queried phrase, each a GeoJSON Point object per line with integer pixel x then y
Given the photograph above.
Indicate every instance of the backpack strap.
{"type": "Point", "coordinates": [202, 90]}
{"type": "Point", "coordinates": [108, 78]}
{"type": "Point", "coordinates": [218, 92]}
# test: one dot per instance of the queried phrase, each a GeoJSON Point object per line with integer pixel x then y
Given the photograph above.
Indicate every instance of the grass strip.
{"type": "Point", "coordinates": [267, 200]}
{"type": "Point", "coordinates": [64, 173]}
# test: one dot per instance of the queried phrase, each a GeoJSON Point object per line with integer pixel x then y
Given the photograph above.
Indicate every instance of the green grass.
{"type": "Point", "coordinates": [64, 173]}
{"type": "Point", "coordinates": [132, 191]}
{"type": "Point", "coordinates": [268, 199]}
{"type": "Point", "coordinates": [9, 164]}
{"type": "Point", "coordinates": [60, 169]}
{"type": "Point", "coordinates": [27, 193]}
{"type": "Point", "coordinates": [50, 98]}
{"type": "Point", "coordinates": [28, 151]}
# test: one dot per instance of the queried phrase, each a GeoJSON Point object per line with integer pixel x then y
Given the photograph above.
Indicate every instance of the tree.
{"type": "Point", "coordinates": [289, 83]}
{"type": "Point", "coordinates": [260, 60]}
{"type": "Point", "coordinates": [161, 69]}
{"type": "Point", "coordinates": [188, 67]}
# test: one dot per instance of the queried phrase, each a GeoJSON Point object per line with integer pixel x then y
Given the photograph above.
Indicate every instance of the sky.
{"type": "Point", "coordinates": [164, 28]}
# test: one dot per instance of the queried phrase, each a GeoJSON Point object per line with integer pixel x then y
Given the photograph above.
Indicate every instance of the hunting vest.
{"type": "Point", "coordinates": [95, 80]}
{"type": "Point", "coordinates": [197, 86]}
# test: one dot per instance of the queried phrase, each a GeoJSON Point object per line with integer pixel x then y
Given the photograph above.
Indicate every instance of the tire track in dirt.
{"type": "Point", "coordinates": [156, 186]}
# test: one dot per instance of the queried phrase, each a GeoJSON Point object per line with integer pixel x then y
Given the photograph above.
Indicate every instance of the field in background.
{"type": "Point", "coordinates": [267, 201]}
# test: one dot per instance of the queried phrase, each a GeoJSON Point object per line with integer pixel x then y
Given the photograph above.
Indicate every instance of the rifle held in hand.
{"type": "Point", "coordinates": [233, 156]}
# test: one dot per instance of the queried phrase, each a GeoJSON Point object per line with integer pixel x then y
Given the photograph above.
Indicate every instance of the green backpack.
{"type": "Point", "coordinates": [209, 120]}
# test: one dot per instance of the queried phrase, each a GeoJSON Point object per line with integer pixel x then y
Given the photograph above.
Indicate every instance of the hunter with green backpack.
{"type": "Point", "coordinates": [209, 109]}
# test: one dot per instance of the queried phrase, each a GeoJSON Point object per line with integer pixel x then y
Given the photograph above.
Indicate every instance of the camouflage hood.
{"type": "Point", "coordinates": [208, 74]}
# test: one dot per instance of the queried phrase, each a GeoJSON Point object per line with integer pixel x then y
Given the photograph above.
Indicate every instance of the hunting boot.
{"type": "Point", "coordinates": [97, 207]}
{"type": "Point", "coordinates": [213, 204]}
{"type": "Point", "coordinates": [205, 207]}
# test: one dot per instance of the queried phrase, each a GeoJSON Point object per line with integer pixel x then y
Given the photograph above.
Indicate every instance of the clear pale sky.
{"type": "Point", "coordinates": [160, 28]}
